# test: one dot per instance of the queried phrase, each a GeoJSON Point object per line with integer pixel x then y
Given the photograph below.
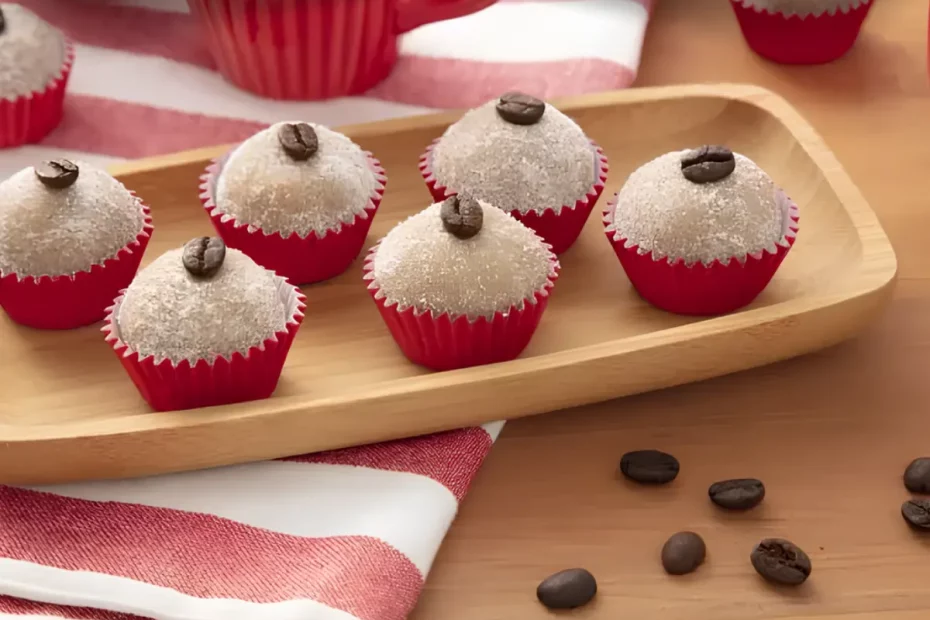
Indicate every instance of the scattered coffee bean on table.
{"type": "Point", "coordinates": [683, 553]}
{"type": "Point", "coordinates": [917, 513]}
{"type": "Point", "coordinates": [781, 561]}
{"type": "Point", "coordinates": [737, 494]}
{"type": "Point", "coordinates": [649, 466]}
{"type": "Point", "coordinates": [567, 589]}
{"type": "Point", "coordinates": [917, 476]}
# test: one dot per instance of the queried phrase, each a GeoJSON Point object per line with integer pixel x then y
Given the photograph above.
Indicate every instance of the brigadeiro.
{"type": "Point", "coordinates": [71, 237]}
{"type": "Point", "coordinates": [35, 63]}
{"type": "Point", "coordinates": [204, 325]}
{"type": "Point", "coordinates": [801, 31]}
{"type": "Point", "coordinates": [701, 231]}
{"type": "Point", "coordinates": [298, 198]}
{"type": "Point", "coordinates": [461, 284]}
{"type": "Point", "coordinates": [525, 157]}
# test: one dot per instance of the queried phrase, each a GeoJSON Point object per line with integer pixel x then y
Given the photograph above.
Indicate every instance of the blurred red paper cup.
{"type": "Point", "coordinates": [314, 49]}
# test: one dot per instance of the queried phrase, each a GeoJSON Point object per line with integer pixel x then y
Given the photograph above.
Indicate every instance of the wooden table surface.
{"type": "Point", "coordinates": [830, 434]}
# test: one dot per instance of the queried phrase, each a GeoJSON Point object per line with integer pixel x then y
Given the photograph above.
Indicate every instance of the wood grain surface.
{"type": "Point", "coordinates": [830, 433]}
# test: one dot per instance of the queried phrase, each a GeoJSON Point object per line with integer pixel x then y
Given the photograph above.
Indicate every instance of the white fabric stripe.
{"type": "Point", "coordinates": [14, 160]}
{"type": "Point", "coordinates": [408, 511]}
{"type": "Point", "coordinates": [150, 80]}
{"type": "Point", "coordinates": [494, 429]}
{"type": "Point", "coordinates": [538, 31]}
{"type": "Point", "coordinates": [85, 589]}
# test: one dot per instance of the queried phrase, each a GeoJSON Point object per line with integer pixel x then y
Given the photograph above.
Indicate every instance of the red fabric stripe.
{"type": "Point", "coordinates": [452, 458]}
{"type": "Point", "coordinates": [451, 83]}
{"type": "Point", "coordinates": [131, 130]}
{"type": "Point", "coordinates": [128, 28]}
{"type": "Point", "coordinates": [20, 607]}
{"type": "Point", "coordinates": [205, 556]}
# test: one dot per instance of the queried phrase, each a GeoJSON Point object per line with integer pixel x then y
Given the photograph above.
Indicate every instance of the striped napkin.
{"type": "Point", "coordinates": [344, 535]}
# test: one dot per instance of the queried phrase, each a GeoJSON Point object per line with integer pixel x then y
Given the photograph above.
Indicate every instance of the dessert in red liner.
{"type": "Point", "coordinates": [801, 32]}
{"type": "Point", "coordinates": [314, 49]}
{"type": "Point", "coordinates": [71, 237]}
{"type": "Point", "coordinates": [461, 284]}
{"type": "Point", "coordinates": [524, 156]}
{"type": "Point", "coordinates": [35, 62]}
{"type": "Point", "coordinates": [297, 198]}
{"type": "Point", "coordinates": [701, 232]}
{"type": "Point", "coordinates": [204, 325]}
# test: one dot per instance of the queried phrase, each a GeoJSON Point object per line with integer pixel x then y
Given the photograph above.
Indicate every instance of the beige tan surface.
{"type": "Point", "coordinates": [830, 433]}
{"type": "Point", "coordinates": [69, 412]}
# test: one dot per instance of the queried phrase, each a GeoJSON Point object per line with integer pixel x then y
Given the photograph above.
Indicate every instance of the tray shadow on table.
{"type": "Point", "coordinates": [343, 346]}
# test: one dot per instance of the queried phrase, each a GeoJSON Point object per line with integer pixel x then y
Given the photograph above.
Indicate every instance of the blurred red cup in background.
{"type": "Point", "coordinates": [314, 49]}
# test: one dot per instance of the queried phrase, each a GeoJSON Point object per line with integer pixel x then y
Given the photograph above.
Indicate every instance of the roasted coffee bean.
{"type": "Point", "coordinates": [57, 173]}
{"type": "Point", "coordinates": [520, 109]}
{"type": "Point", "coordinates": [738, 494]}
{"type": "Point", "coordinates": [649, 466]}
{"type": "Point", "coordinates": [708, 164]}
{"type": "Point", "coordinates": [917, 513]}
{"type": "Point", "coordinates": [567, 589]}
{"type": "Point", "coordinates": [203, 256]}
{"type": "Point", "coordinates": [917, 476]}
{"type": "Point", "coordinates": [781, 561]}
{"type": "Point", "coordinates": [298, 140]}
{"type": "Point", "coordinates": [462, 216]}
{"type": "Point", "coordinates": [683, 553]}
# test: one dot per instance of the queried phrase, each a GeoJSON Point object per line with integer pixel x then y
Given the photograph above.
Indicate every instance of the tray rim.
{"type": "Point", "coordinates": [868, 290]}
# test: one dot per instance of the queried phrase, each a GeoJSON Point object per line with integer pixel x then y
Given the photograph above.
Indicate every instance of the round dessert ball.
{"type": "Point", "coordinates": [32, 51]}
{"type": "Point", "coordinates": [461, 257]}
{"type": "Point", "coordinates": [531, 159]}
{"type": "Point", "coordinates": [63, 217]}
{"type": "Point", "coordinates": [287, 180]}
{"type": "Point", "coordinates": [684, 205]}
{"type": "Point", "coordinates": [190, 308]}
{"type": "Point", "coordinates": [804, 7]}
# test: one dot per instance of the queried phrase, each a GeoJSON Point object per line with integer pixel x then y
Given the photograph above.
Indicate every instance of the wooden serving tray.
{"type": "Point", "coordinates": [68, 411]}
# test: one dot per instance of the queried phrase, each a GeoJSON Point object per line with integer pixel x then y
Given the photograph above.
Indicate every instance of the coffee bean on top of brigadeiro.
{"type": "Point", "coordinates": [567, 589]}
{"type": "Point", "coordinates": [737, 494]}
{"type": "Point", "coordinates": [649, 466]}
{"type": "Point", "coordinates": [682, 553]}
{"type": "Point", "coordinates": [917, 475]}
{"type": "Point", "coordinates": [781, 561]}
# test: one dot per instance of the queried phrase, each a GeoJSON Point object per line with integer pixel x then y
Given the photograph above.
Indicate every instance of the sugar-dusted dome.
{"type": "Point", "coordinates": [490, 266]}
{"type": "Point", "coordinates": [804, 8]}
{"type": "Point", "coordinates": [32, 51]}
{"type": "Point", "coordinates": [296, 178]}
{"type": "Point", "coordinates": [531, 159]}
{"type": "Point", "coordinates": [173, 311]}
{"type": "Point", "coordinates": [76, 218]}
{"type": "Point", "coordinates": [726, 209]}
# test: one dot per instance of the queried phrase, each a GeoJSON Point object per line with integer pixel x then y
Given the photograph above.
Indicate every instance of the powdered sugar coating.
{"type": "Point", "coordinates": [261, 186]}
{"type": "Point", "coordinates": [421, 265]}
{"type": "Point", "coordinates": [804, 8]}
{"type": "Point", "coordinates": [525, 167]}
{"type": "Point", "coordinates": [168, 313]}
{"type": "Point", "coordinates": [662, 212]}
{"type": "Point", "coordinates": [32, 52]}
{"type": "Point", "coordinates": [59, 232]}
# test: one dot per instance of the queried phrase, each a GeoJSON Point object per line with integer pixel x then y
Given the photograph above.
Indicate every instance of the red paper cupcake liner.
{"type": "Point", "coordinates": [252, 375]}
{"type": "Point", "coordinates": [29, 118]}
{"type": "Point", "coordinates": [445, 343]}
{"type": "Point", "coordinates": [796, 40]}
{"type": "Point", "coordinates": [302, 260]}
{"type": "Point", "coordinates": [68, 302]}
{"type": "Point", "coordinates": [699, 289]}
{"type": "Point", "coordinates": [559, 229]}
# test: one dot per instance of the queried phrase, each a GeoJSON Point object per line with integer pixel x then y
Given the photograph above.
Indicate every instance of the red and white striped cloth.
{"type": "Point", "coordinates": [345, 535]}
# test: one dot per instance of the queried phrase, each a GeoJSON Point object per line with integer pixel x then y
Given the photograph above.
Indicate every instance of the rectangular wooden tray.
{"type": "Point", "coordinates": [68, 411]}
